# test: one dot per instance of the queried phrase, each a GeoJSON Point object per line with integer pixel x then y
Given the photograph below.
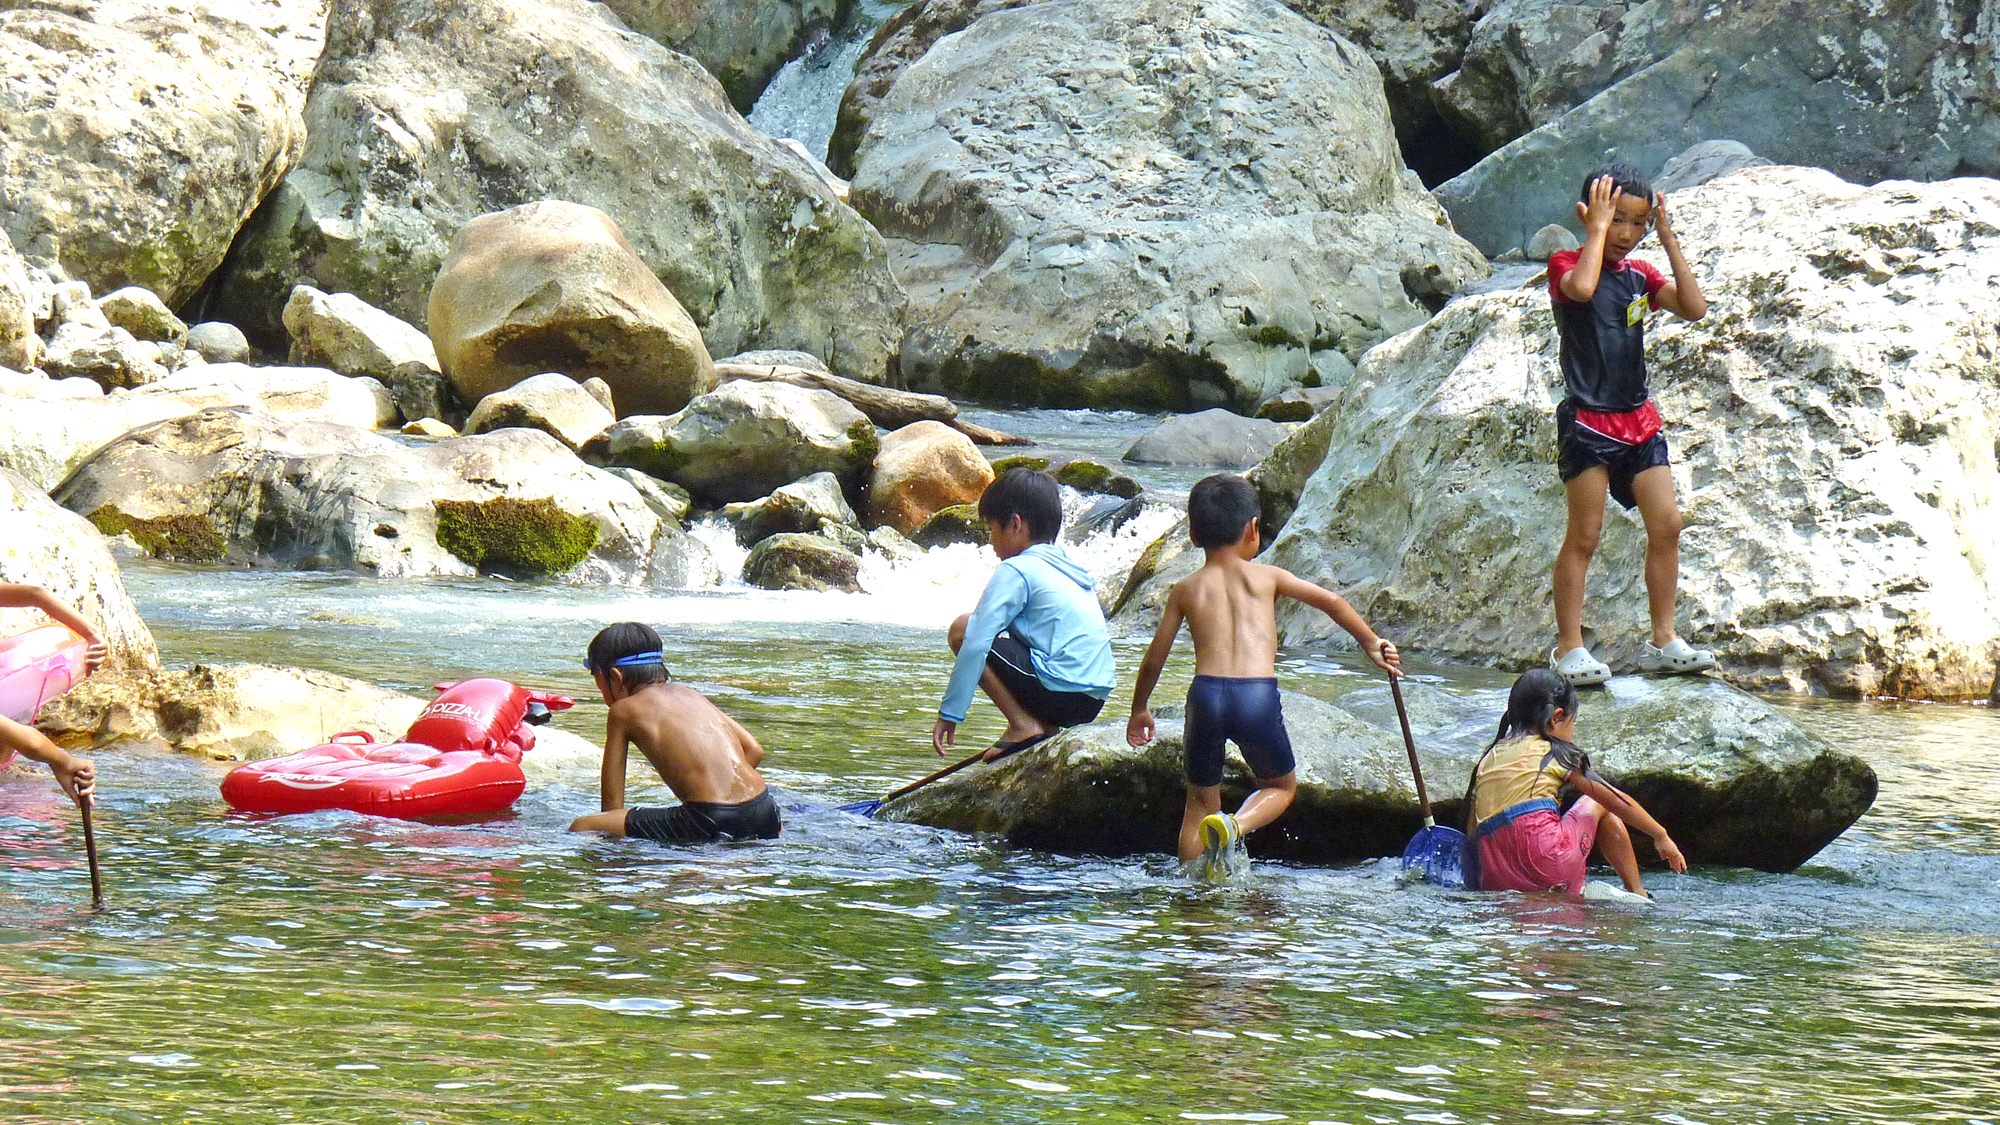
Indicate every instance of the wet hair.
{"type": "Point", "coordinates": [1219, 508]}
{"type": "Point", "coordinates": [1033, 496]}
{"type": "Point", "coordinates": [633, 650]}
{"type": "Point", "coordinates": [1624, 177]}
{"type": "Point", "coordinates": [1532, 705]}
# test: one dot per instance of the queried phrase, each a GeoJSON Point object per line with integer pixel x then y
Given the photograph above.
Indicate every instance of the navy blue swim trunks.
{"type": "Point", "coordinates": [1580, 448]}
{"type": "Point", "coordinates": [699, 822]}
{"type": "Point", "coordinates": [1009, 660]}
{"type": "Point", "coordinates": [1244, 711]}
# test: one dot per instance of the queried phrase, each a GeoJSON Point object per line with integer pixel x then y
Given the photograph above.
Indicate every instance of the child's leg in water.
{"type": "Point", "coordinates": [1273, 796]}
{"type": "Point", "coordinates": [1614, 843]}
{"type": "Point", "coordinates": [1202, 800]}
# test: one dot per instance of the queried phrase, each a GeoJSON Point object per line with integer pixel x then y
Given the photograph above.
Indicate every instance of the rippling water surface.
{"type": "Point", "coordinates": [335, 967]}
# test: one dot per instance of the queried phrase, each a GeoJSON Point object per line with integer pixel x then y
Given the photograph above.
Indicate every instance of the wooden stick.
{"type": "Point", "coordinates": [83, 804]}
{"type": "Point", "coordinates": [1410, 744]}
{"type": "Point", "coordinates": [943, 773]}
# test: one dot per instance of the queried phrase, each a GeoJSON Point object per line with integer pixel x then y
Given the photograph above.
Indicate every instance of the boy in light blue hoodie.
{"type": "Point", "coordinates": [1036, 643]}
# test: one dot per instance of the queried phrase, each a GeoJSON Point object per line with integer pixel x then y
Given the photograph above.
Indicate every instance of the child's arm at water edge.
{"type": "Point", "coordinates": [611, 781]}
{"type": "Point", "coordinates": [1139, 728]}
{"type": "Point", "coordinates": [1333, 605]}
{"type": "Point", "coordinates": [76, 776]}
{"type": "Point", "coordinates": [1632, 813]}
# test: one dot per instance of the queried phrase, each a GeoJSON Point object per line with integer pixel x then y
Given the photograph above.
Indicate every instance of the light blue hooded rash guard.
{"type": "Point", "coordinates": [1043, 597]}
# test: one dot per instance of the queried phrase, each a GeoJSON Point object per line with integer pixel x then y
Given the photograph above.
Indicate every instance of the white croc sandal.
{"type": "Point", "coordinates": [1579, 667]}
{"type": "Point", "coordinates": [1677, 658]}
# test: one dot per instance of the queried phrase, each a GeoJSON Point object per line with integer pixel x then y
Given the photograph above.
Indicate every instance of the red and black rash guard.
{"type": "Point", "coordinates": [1604, 339]}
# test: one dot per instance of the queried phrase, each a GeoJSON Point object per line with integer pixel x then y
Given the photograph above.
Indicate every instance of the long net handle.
{"type": "Point", "coordinates": [945, 772]}
{"type": "Point", "coordinates": [1410, 744]}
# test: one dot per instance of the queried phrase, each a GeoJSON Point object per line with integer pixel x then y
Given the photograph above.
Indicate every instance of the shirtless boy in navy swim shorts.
{"type": "Point", "coordinates": [1230, 606]}
{"type": "Point", "coordinates": [704, 756]}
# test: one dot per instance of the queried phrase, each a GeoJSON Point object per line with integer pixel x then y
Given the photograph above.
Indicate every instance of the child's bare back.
{"type": "Point", "coordinates": [702, 754]}
{"type": "Point", "coordinates": [1231, 610]}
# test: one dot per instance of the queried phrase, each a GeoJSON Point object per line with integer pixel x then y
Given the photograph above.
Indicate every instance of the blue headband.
{"type": "Point", "coordinates": [639, 658]}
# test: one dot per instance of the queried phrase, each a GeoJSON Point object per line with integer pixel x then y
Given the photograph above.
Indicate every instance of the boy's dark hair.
{"type": "Point", "coordinates": [1033, 496]}
{"type": "Point", "coordinates": [1532, 705]}
{"type": "Point", "coordinates": [1219, 508]}
{"type": "Point", "coordinates": [629, 641]}
{"type": "Point", "coordinates": [1624, 177]}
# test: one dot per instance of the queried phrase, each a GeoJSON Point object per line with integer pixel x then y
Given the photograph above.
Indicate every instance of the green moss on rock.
{"type": "Point", "coordinates": [514, 538]}
{"type": "Point", "coordinates": [1094, 476]}
{"type": "Point", "coordinates": [183, 538]}
{"type": "Point", "coordinates": [959, 523]}
{"type": "Point", "coordinates": [1001, 467]}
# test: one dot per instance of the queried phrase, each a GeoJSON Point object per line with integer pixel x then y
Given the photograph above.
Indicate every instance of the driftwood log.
{"type": "Point", "coordinates": [887, 407]}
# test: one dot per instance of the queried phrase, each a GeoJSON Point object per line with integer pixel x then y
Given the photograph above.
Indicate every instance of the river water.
{"type": "Point", "coordinates": [335, 967]}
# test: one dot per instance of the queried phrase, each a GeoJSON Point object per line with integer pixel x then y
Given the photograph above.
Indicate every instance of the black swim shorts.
{"type": "Point", "coordinates": [1579, 448]}
{"type": "Point", "coordinates": [1009, 660]}
{"type": "Point", "coordinates": [1244, 711]}
{"type": "Point", "coordinates": [698, 822]}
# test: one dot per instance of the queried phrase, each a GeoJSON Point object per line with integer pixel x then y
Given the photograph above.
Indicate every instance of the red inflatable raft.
{"type": "Point", "coordinates": [461, 756]}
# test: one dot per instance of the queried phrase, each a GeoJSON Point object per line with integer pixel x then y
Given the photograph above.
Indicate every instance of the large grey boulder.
{"type": "Point", "coordinates": [1215, 438]}
{"type": "Point", "coordinates": [48, 428]}
{"type": "Point", "coordinates": [244, 488]}
{"type": "Point", "coordinates": [134, 146]}
{"type": "Point", "coordinates": [109, 356]}
{"type": "Point", "coordinates": [1736, 783]}
{"type": "Point", "coordinates": [1900, 88]}
{"type": "Point", "coordinates": [742, 42]}
{"type": "Point", "coordinates": [553, 403]}
{"type": "Point", "coordinates": [1174, 203]}
{"type": "Point", "coordinates": [1413, 43]}
{"type": "Point", "coordinates": [218, 342]}
{"type": "Point", "coordinates": [344, 333]}
{"type": "Point", "coordinates": [802, 507]}
{"type": "Point", "coordinates": [554, 286]}
{"type": "Point", "coordinates": [142, 313]}
{"type": "Point", "coordinates": [57, 550]}
{"type": "Point", "coordinates": [427, 113]}
{"type": "Point", "coordinates": [20, 301]}
{"type": "Point", "coordinates": [743, 440]}
{"type": "Point", "coordinates": [1282, 476]}
{"type": "Point", "coordinates": [1833, 418]}
{"type": "Point", "coordinates": [1699, 163]}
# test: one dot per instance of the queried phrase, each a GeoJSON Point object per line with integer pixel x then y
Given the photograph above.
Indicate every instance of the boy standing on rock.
{"type": "Point", "coordinates": [1036, 643]}
{"type": "Point", "coordinates": [1230, 606]}
{"type": "Point", "coordinates": [1608, 432]}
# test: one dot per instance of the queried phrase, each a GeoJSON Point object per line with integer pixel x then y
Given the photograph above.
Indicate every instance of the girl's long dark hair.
{"type": "Point", "coordinates": [1532, 705]}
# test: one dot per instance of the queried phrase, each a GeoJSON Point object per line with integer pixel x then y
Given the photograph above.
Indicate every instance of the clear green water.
{"type": "Point", "coordinates": [339, 968]}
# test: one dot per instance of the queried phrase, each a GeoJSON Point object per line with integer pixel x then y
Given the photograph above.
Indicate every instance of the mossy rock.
{"type": "Point", "coordinates": [183, 538]}
{"type": "Point", "coordinates": [959, 523]}
{"type": "Point", "coordinates": [1086, 475]}
{"type": "Point", "coordinates": [803, 562]}
{"type": "Point", "coordinates": [1039, 464]}
{"type": "Point", "coordinates": [514, 538]}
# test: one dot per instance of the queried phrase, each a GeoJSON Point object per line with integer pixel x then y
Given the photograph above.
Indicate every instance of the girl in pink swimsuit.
{"type": "Point", "coordinates": [1522, 843]}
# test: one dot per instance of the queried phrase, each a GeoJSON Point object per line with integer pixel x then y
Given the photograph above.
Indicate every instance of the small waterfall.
{"type": "Point", "coordinates": [803, 100]}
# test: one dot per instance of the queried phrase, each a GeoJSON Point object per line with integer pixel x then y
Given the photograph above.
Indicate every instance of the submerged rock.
{"type": "Point", "coordinates": [229, 711]}
{"type": "Point", "coordinates": [232, 486]}
{"type": "Point", "coordinates": [554, 286]}
{"type": "Point", "coordinates": [1736, 783]}
{"type": "Point", "coordinates": [58, 551]}
{"type": "Point", "coordinates": [134, 148]}
{"type": "Point", "coordinates": [1833, 417]}
{"type": "Point", "coordinates": [427, 113]}
{"type": "Point", "coordinates": [1165, 204]}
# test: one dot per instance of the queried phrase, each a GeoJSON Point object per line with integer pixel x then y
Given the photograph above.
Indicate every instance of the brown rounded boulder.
{"type": "Point", "coordinates": [554, 286]}
{"type": "Point", "coordinates": [922, 469]}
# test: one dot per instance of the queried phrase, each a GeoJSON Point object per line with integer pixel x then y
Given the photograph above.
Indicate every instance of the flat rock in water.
{"type": "Point", "coordinates": [1737, 783]}
{"type": "Point", "coordinates": [1214, 438]}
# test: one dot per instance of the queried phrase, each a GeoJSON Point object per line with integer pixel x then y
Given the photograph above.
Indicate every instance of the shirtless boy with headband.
{"type": "Point", "coordinates": [704, 756]}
